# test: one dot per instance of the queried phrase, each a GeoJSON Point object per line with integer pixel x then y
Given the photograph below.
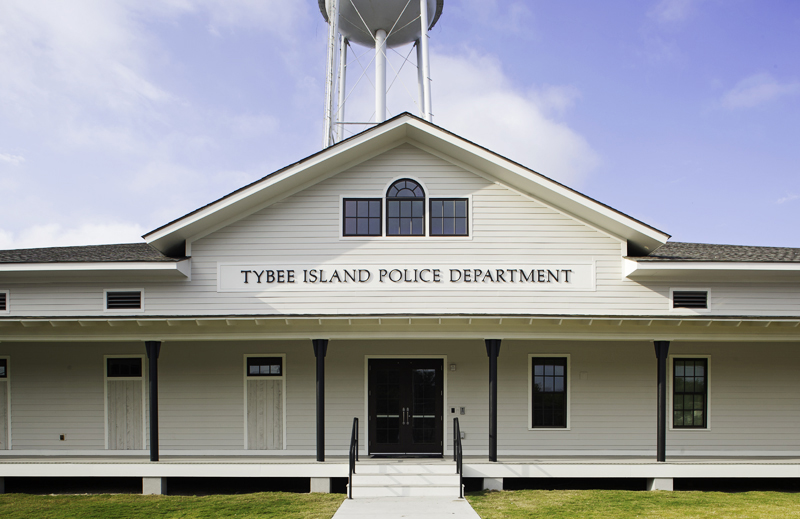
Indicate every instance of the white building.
{"type": "Point", "coordinates": [416, 274]}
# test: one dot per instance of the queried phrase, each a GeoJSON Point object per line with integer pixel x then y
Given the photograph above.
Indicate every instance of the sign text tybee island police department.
{"type": "Point", "coordinates": [263, 278]}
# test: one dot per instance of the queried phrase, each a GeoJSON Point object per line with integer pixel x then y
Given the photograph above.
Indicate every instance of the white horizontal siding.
{"type": "Point", "coordinates": [508, 229]}
{"type": "Point", "coordinates": [59, 390]}
{"type": "Point", "coordinates": [754, 397]}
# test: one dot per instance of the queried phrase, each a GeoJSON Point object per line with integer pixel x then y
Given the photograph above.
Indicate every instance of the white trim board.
{"type": "Point", "coordinates": [145, 386]}
{"type": "Point", "coordinates": [282, 378]}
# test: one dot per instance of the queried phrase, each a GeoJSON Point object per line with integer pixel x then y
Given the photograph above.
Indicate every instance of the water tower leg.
{"type": "Point", "coordinates": [426, 64]}
{"type": "Point", "coordinates": [342, 90]}
{"type": "Point", "coordinates": [420, 80]}
{"type": "Point", "coordinates": [333, 40]}
{"type": "Point", "coordinates": [380, 75]}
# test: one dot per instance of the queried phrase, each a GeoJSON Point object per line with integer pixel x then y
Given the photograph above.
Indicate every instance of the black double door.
{"type": "Point", "coordinates": [406, 404]}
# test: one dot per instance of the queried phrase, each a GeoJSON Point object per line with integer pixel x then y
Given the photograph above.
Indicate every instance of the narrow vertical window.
{"type": "Point", "coordinates": [549, 398]}
{"type": "Point", "coordinates": [405, 209]}
{"type": "Point", "coordinates": [449, 217]}
{"type": "Point", "coordinates": [3, 368]}
{"type": "Point", "coordinates": [362, 216]}
{"type": "Point", "coordinates": [690, 394]}
{"type": "Point", "coordinates": [3, 301]}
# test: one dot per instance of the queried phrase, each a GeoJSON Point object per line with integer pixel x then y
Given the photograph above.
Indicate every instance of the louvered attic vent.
{"type": "Point", "coordinates": [690, 299]}
{"type": "Point", "coordinates": [3, 303]}
{"type": "Point", "coordinates": [128, 300]}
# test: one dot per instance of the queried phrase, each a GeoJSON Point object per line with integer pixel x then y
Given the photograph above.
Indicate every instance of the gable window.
{"type": "Point", "coordinates": [549, 392]}
{"type": "Point", "coordinates": [690, 393]}
{"type": "Point", "coordinates": [405, 209]}
{"type": "Point", "coordinates": [124, 300]}
{"type": "Point", "coordinates": [449, 217]}
{"type": "Point", "coordinates": [362, 217]}
{"type": "Point", "coordinates": [119, 367]}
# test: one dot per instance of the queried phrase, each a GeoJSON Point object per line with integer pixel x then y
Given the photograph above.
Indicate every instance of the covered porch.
{"type": "Point", "coordinates": [618, 414]}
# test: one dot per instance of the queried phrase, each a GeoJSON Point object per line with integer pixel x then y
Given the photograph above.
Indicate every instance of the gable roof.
{"type": "Point", "coordinates": [403, 128]}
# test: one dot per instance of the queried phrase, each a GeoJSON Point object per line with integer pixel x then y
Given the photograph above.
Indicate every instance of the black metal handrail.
{"type": "Point", "coordinates": [353, 457]}
{"type": "Point", "coordinates": [458, 456]}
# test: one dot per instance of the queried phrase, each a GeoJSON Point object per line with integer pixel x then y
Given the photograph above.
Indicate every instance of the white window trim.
{"type": "Point", "coordinates": [144, 381]}
{"type": "Point", "coordinates": [567, 356]}
{"type": "Point", "coordinates": [246, 377]}
{"type": "Point", "coordinates": [122, 310]}
{"type": "Point", "coordinates": [670, 382]}
{"type": "Point", "coordinates": [689, 311]}
{"type": "Point", "coordinates": [7, 382]}
{"type": "Point", "coordinates": [425, 237]}
{"type": "Point", "coordinates": [365, 419]}
{"type": "Point", "coordinates": [8, 301]}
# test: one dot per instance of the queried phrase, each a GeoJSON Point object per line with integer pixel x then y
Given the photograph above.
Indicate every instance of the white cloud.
{"type": "Point", "coordinates": [787, 198]}
{"type": "Point", "coordinates": [475, 99]}
{"type": "Point", "coordinates": [67, 62]}
{"type": "Point", "coordinates": [56, 235]}
{"type": "Point", "coordinates": [756, 90]}
{"type": "Point", "coordinates": [14, 160]}
{"type": "Point", "coordinates": [671, 11]}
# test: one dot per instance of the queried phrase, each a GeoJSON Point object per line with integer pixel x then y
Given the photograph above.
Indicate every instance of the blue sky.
{"type": "Point", "coordinates": [117, 117]}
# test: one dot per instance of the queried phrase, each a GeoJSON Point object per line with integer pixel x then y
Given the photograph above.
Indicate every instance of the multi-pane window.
{"type": "Point", "coordinates": [123, 367]}
{"type": "Point", "coordinates": [264, 366]}
{"type": "Point", "coordinates": [449, 217]}
{"type": "Point", "coordinates": [3, 301]}
{"type": "Point", "coordinates": [690, 393]}
{"type": "Point", "coordinates": [362, 217]}
{"type": "Point", "coordinates": [549, 398]}
{"type": "Point", "coordinates": [405, 209]}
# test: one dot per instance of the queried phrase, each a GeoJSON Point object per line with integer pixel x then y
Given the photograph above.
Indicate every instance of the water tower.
{"type": "Point", "coordinates": [382, 24]}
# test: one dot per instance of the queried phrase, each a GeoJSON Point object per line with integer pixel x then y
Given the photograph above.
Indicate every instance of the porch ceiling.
{"type": "Point", "coordinates": [206, 328]}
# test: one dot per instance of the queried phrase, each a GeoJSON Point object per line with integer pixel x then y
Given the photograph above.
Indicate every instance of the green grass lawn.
{"type": "Point", "coordinates": [262, 505]}
{"type": "Point", "coordinates": [530, 504]}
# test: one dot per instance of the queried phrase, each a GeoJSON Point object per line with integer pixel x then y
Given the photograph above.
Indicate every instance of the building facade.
{"type": "Point", "coordinates": [404, 277]}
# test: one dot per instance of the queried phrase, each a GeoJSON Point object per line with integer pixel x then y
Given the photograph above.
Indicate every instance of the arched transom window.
{"type": "Point", "coordinates": [405, 209]}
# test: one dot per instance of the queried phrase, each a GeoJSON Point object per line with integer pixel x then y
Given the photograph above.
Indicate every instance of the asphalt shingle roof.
{"type": "Point", "coordinates": [129, 252]}
{"type": "Point", "coordinates": [124, 252]}
{"type": "Point", "coordinates": [679, 251]}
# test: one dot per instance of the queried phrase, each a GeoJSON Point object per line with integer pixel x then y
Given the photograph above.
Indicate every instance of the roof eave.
{"type": "Point", "coordinates": [177, 269]}
{"type": "Point", "coordinates": [711, 270]}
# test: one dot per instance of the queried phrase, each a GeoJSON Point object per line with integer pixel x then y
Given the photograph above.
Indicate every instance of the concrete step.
{"type": "Point", "coordinates": [406, 480]}
{"type": "Point", "coordinates": [360, 491]}
{"type": "Point", "coordinates": [399, 479]}
{"type": "Point", "coordinates": [406, 468]}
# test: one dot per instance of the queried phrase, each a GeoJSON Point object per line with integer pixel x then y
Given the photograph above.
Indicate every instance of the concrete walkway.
{"type": "Point", "coordinates": [403, 507]}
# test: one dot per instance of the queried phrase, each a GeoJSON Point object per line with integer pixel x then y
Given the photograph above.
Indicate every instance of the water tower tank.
{"type": "Point", "coordinates": [356, 15]}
